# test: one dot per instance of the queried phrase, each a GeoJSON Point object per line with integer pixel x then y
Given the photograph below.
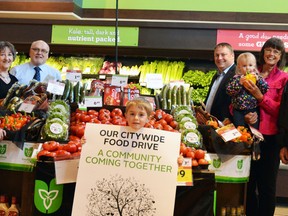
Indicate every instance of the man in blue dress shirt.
{"type": "Point", "coordinates": [39, 53]}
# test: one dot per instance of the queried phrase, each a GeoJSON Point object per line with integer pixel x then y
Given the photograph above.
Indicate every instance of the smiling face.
{"type": "Point", "coordinates": [136, 117]}
{"type": "Point", "coordinates": [223, 57]}
{"type": "Point", "coordinates": [6, 59]}
{"type": "Point", "coordinates": [246, 62]}
{"type": "Point", "coordinates": [39, 52]}
{"type": "Point", "coordinates": [271, 56]}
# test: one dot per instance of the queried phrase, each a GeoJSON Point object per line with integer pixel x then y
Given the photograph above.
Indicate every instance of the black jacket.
{"type": "Point", "coordinates": [220, 106]}
{"type": "Point", "coordinates": [283, 118]}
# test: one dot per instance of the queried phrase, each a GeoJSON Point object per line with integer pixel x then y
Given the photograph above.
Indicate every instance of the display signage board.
{"type": "Point", "coordinates": [230, 168]}
{"type": "Point", "coordinates": [263, 6]}
{"type": "Point", "coordinates": [245, 40]}
{"type": "Point", "coordinates": [14, 158]}
{"type": "Point", "coordinates": [127, 172]}
{"type": "Point", "coordinates": [94, 35]}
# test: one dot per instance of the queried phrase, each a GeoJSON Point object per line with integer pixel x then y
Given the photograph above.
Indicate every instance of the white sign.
{"type": "Point", "coordinates": [93, 101]}
{"type": "Point", "coordinates": [127, 171]}
{"type": "Point", "coordinates": [230, 168]}
{"type": "Point", "coordinates": [118, 80]}
{"type": "Point", "coordinates": [56, 88]}
{"type": "Point", "coordinates": [73, 76]}
{"type": "Point", "coordinates": [66, 171]}
{"type": "Point", "coordinates": [26, 107]}
{"type": "Point", "coordinates": [154, 81]}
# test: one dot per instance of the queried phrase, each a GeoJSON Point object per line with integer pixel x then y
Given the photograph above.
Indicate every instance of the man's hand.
{"type": "Point", "coordinates": [251, 118]}
{"type": "Point", "coordinates": [284, 155]}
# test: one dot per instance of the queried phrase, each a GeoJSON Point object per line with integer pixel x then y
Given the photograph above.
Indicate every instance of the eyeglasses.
{"type": "Point", "coordinates": [37, 50]}
{"type": "Point", "coordinates": [273, 51]}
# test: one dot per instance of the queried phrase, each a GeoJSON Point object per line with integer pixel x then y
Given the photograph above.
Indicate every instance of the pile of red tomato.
{"type": "Point", "coordinates": [158, 120]}
{"type": "Point", "coordinates": [197, 155]}
{"type": "Point", "coordinates": [54, 149]}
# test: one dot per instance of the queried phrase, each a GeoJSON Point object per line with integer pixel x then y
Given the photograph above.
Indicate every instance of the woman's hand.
{"type": "Point", "coordinates": [251, 118]}
{"type": "Point", "coordinates": [2, 134]}
{"type": "Point", "coordinates": [253, 89]}
{"type": "Point", "coordinates": [284, 155]}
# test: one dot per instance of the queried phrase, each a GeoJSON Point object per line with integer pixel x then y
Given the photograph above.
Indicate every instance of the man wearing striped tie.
{"type": "Point", "coordinates": [37, 68]}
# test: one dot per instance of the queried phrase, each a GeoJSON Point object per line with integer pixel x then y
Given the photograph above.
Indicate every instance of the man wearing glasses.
{"type": "Point", "coordinates": [37, 68]}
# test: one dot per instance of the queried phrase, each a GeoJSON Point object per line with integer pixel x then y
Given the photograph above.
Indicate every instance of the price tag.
{"type": "Point", "coordinates": [26, 107]}
{"type": "Point", "coordinates": [256, 133]}
{"type": "Point", "coordinates": [93, 101]}
{"type": "Point", "coordinates": [102, 76]}
{"type": "Point", "coordinates": [154, 81]}
{"type": "Point", "coordinates": [66, 171]}
{"type": "Point", "coordinates": [56, 87]}
{"type": "Point", "coordinates": [184, 176]}
{"type": "Point", "coordinates": [228, 132]}
{"type": "Point", "coordinates": [118, 80]}
{"type": "Point", "coordinates": [74, 76]}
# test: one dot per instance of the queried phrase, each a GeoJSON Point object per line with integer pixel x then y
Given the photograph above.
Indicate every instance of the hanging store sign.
{"type": "Point", "coordinates": [244, 40]}
{"type": "Point", "coordinates": [94, 35]}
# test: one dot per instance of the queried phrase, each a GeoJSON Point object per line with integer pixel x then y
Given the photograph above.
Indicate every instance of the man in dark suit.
{"type": "Point", "coordinates": [217, 101]}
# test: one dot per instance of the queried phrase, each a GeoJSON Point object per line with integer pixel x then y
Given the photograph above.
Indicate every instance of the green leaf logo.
{"type": "Point", "coordinates": [217, 162]}
{"type": "Point", "coordinates": [240, 164]}
{"type": "Point", "coordinates": [48, 200]}
{"type": "Point", "coordinates": [3, 149]}
{"type": "Point", "coordinates": [28, 152]}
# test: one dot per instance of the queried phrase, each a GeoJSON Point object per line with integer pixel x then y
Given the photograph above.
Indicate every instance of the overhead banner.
{"type": "Point", "coordinates": [94, 35]}
{"type": "Point", "coordinates": [244, 40]}
{"type": "Point", "coordinates": [127, 172]}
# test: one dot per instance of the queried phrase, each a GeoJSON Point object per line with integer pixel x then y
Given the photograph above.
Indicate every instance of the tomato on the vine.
{"type": "Point", "coordinates": [116, 112]}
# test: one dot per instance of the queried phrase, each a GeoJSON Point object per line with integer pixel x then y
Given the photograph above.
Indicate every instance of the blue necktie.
{"type": "Point", "coordinates": [37, 73]}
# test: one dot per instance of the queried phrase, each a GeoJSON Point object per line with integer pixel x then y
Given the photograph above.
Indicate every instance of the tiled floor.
{"type": "Point", "coordinates": [281, 210]}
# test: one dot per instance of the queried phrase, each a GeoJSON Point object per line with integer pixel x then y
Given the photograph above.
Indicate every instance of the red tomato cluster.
{"type": "Point", "coordinates": [197, 155]}
{"type": "Point", "coordinates": [79, 118]}
{"type": "Point", "coordinates": [162, 121]}
{"type": "Point", "coordinates": [55, 149]}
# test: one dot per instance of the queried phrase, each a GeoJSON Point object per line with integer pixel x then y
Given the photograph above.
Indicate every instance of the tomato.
{"type": "Point", "coordinates": [42, 153]}
{"type": "Point", "coordinates": [63, 153]}
{"type": "Point", "coordinates": [148, 125]}
{"type": "Point", "coordinates": [183, 149]}
{"type": "Point", "coordinates": [158, 114]}
{"type": "Point", "coordinates": [199, 154]}
{"type": "Point", "coordinates": [117, 120]}
{"type": "Point", "coordinates": [116, 112]}
{"type": "Point", "coordinates": [194, 163]}
{"type": "Point", "coordinates": [70, 147]}
{"type": "Point", "coordinates": [190, 154]}
{"type": "Point", "coordinates": [76, 154]}
{"type": "Point", "coordinates": [80, 111]}
{"type": "Point", "coordinates": [168, 128]}
{"type": "Point", "coordinates": [158, 126]}
{"type": "Point", "coordinates": [92, 112]}
{"type": "Point", "coordinates": [80, 131]}
{"type": "Point", "coordinates": [104, 116]}
{"type": "Point", "coordinates": [168, 118]}
{"type": "Point", "coordinates": [85, 118]}
{"type": "Point", "coordinates": [74, 138]}
{"type": "Point", "coordinates": [203, 162]}
{"type": "Point", "coordinates": [103, 110]}
{"type": "Point", "coordinates": [162, 122]}
{"type": "Point", "coordinates": [50, 145]}
{"type": "Point", "coordinates": [174, 124]}
{"type": "Point", "coordinates": [51, 154]}
{"type": "Point", "coordinates": [95, 121]}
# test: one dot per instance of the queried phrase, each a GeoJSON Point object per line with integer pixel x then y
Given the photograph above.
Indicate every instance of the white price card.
{"type": "Point", "coordinates": [56, 87]}
{"type": "Point", "coordinates": [154, 81]}
{"type": "Point", "coordinates": [66, 171]}
{"type": "Point", "coordinates": [93, 101]}
{"type": "Point", "coordinates": [26, 107]}
{"type": "Point", "coordinates": [228, 132]}
{"type": "Point", "coordinates": [118, 80]}
{"type": "Point", "coordinates": [74, 76]}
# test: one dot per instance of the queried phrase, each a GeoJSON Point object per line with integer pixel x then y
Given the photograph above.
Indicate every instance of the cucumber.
{"type": "Point", "coordinates": [83, 92]}
{"type": "Point", "coordinates": [71, 93]}
{"type": "Point", "coordinates": [66, 92]}
{"type": "Point", "coordinates": [77, 88]}
{"type": "Point", "coordinates": [178, 97]}
{"type": "Point", "coordinates": [183, 95]}
{"type": "Point", "coordinates": [169, 98]}
{"type": "Point", "coordinates": [174, 96]}
{"type": "Point", "coordinates": [189, 96]}
{"type": "Point", "coordinates": [164, 97]}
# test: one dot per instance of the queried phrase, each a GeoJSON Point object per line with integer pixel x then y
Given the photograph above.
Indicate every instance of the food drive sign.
{"type": "Point", "coordinates": [127, 172]}
{"type": "Point", "coordinates": [94, 35]}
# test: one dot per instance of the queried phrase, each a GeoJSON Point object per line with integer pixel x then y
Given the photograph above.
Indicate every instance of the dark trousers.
{"type": "Point", "coordinates": [263, 176]}
{"type": "Point", "coordinates": [238, 117]}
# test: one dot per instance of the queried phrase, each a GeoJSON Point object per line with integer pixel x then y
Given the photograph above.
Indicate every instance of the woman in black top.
{"type": "Point", "coordinates": [7, 56]}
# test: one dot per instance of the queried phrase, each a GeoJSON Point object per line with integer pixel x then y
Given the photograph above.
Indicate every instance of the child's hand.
{"type": "Point", "coordinates": [2, 134]}
{"type": "Point", "coordinates": [242, 80]}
